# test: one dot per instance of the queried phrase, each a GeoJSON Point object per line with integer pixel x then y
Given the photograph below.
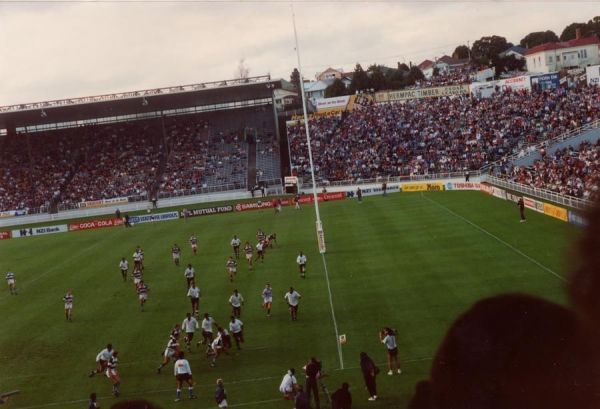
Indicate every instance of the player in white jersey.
{"type": "Point", "coordinates": [68, 300]}
{"type": "Point", "coordinates": [260, 251]}
{"type": "Point", "coordinates": [207, 329]}
{"type": "Point", "coordinates": [189, 325]}
{"type": "Point", "coordinates": [235, 244]}
{"type": "Point", "coordinates": [194, 294]}
{"type": "Point", "coordinates": [231, 265]}
{"type": "Point", "coordinates": [301, 261]}
{"type": "Point", "coordinates": [171, 351]}
{"type": "Point", "coordinates": [137, 259]}
{"type": "Point", "coordinates": [12, 282]}
{"type": "Point", "coordinates": [190, 274]}
{"type": "Point", "coordinates": [183, 373]}
{"type": "Point", "coordinates": [236, 327]}
{"type": "Point", "coordinates": [176, 254]}
{"type": "Point", "coordinates": [388, 338]}
{"type": "Point", "coordinates": [293, 299]}
{"type": "Point", "coordinates": [194, 243]}
{"type": "Point", "coordinates": [124, 268]}
{"type": "Point", "coordinates": [267, 297]}
{"type": "Point", "coordinates": [236, 301]}
{"type": "Point", "coordinates": [113, 374]}
{"type": "Point", "coordinates": [102, 360]}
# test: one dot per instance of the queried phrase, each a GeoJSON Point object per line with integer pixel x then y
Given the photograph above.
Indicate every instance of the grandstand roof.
{"type": "Point", "coordinates": [137, 102]}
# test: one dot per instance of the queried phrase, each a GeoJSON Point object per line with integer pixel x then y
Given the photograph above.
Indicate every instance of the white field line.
{"type": "Point", "coordinates": [498, 239]}
{"type": "Point", "coordinates": [335, 327]}
{"type": "Point", "coordinates": [171, 390]}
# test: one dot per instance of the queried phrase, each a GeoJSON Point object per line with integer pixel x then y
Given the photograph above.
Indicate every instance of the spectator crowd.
{"type": "Point", "coordinates": [437, 135]}
{"type": "Point", "coordinates": [569, 171]}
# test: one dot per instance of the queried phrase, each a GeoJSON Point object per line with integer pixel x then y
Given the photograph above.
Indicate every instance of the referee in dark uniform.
{"type": "Point", "coordinates": [313, 373]}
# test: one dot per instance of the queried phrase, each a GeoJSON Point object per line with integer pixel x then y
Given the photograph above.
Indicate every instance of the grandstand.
{"type": "Point", "coordinates": [138, 145]}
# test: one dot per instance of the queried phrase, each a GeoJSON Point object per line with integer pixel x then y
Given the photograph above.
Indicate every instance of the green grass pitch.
{"type": "Point", "coordinates": [411, 261]}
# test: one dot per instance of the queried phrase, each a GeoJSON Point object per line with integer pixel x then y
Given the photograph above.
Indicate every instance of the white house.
{"type": "Point", "coordinates": [517, 51]}
{"type": "Point", "coordinates": [551, 57]}
{"type": "Point", "coordinates": [426, 68]}
{"type": "Point", "coordinates": [316, 89]}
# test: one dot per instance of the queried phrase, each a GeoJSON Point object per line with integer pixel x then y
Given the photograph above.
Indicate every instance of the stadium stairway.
{"type": "Point", "coordinates": [251, 161]}
{"type": "Point", "coordinates": [591, 135]}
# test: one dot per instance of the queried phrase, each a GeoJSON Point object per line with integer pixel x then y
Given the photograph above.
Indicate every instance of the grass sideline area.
{"type": "Point", "coordinates": [410, 261]}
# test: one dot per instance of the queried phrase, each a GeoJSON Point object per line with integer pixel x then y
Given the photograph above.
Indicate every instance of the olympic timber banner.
{"type": "Point", "coordinates": [408, 94]}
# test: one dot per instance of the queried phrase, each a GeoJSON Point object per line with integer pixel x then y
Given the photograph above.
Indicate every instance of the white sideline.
{"type": "Point", "coordinates": [144, 393]}
{"type": "Point", "coordinates": [498, 239]}
{"type": "Point", "coordinates": [335, 327]}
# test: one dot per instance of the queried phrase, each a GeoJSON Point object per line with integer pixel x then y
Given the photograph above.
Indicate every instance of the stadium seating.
{"type": "Point", "coordinates": [437, 135]}
{"type": "Point", "coordinates": [569, 171]}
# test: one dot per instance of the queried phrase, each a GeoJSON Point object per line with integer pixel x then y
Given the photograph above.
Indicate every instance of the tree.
{"type": "Point", "coordinates": [403, 67]}
{"type": "Point", "coordinates": [461, 52]}
{"type": "Point", "coordinates": [360, 79]}
{"type": "Point", "coordinates": [295, 78]}
{"type": "Point", "coordinates": [570, 31]}
{"type": "Point", "coordinates": [507, 63]}
{"type": "Point", "coordinates": [336, 89]}
{"type": "Point", "coordinates": [414, 75]}
{"type": "Point", "coordinates": [377, 78]}
{"type": "Point", "coordinates": [435, 72]}
{"type": "Point", "coordinates": [587, 29]}
{"type": "Point", "coordinates": [486, 48]}
{"type": "Point", "coordinates": [538, 37]}
{"type": "Point", "coordinates": [242, 70]}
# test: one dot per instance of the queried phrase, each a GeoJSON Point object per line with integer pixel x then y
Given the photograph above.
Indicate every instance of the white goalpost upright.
{"type": "Point", "coordinates": [319, 224]}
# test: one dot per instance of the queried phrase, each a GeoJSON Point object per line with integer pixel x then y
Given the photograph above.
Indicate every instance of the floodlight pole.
{"type": "Point", "coordinates": [320, 232]}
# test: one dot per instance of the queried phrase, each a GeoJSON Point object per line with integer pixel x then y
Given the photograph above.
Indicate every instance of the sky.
{"type": "Point", "coordinates": [52, 50]}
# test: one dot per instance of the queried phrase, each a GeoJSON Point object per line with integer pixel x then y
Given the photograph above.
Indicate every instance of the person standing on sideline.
{"type": "Point", "coordinates": [194, 294]}
{"type": "Point", "coordinates": [301, 261]}
{"type": "Point", "coordinates": [267, 296]}
{"type": "Point", "coordinates": [68, 300]}
{"type": "Point", "coordinates": [521, 205]}
{"type": "Point", "coordinates": [388, 338]}
{"type": "Point", "coordinates": [221, 395]}
{"type": "Point", "coordinates": [293, 299]}
{"type": "Point", "coordinates": [302, 401]}
{"type": "Point", "coordinates": [183, 373]}
{"type": "Point", "coordinates": [313, 372]}
{"type": "Point", "coordinates": [288, 385]}
{"type": "Point", "coordinates": [189, 325]}
{"type": "Point", "coordinates": [297, 201]}
{"type": "Point", "coordinates": [124, 267]}
{"type": "Point", "coordinates": [369, 371]}
{"type": "Point", "coordinates": [12, 282]}
{"type": "Point", "coordinates": [384, 188]}
{"type": "Point", "coordinates": [467, 176]}
{"type": "Point", "coordinates": [236, 300]}
{"type": "Point", "coordinates": [359, 195]}
{"type": "Point", "coordinates": [342, 399]}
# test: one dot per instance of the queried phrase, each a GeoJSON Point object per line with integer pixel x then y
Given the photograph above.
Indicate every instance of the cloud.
{"type": "Point", "coordinates": [64, 50]}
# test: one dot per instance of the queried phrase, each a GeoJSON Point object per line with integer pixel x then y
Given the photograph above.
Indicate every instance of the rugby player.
{"type": "Point", "coordinates": [194, 294]}
{"type": "Point", "coordinates": [194, 243]}
{"type": "Point", "coordinates": [12, 282]}
{"type": "Point", "coordinates": [68, 300]}
{"type": "Point", "coordinates": [142, 290]}
{"type": "Point", "coordinates": [207, 329]}
{"type": "Point", "coordinates": [189, 325]}
{"type": "Point", "coordinates": [113, 374]}
{"type": "Point", "coordinates": [189, 274]}
{"type": "Point", "coordinates": [124, 267]}
{"type": "Point", "coordinates": [249, 251]}
{"type": "Point", "coordinates": [301, 261]}
{"type": "Point", "coordinates": [235, 243]}
{"type": "Point", "coordinates": [183, 373]}
{"type": "Point", "coordinates": [236, 327]}
{"type": "Point", "coordinates": [267, 297]}
{"type": "Point", "coordinates": [293, 299]}
{"type": "Point", "coordinates": [102, 360]}
{"type": "Point", "coordinates": [236, 301]}
{"type": "Point", "coordinates": [175, 253]}
{"type": "Point", "coordinates": [231, 265]}
{"type": "Point", "coordinates": [171, 351]}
